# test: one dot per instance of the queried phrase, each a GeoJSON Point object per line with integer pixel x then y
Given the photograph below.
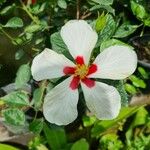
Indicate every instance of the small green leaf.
{"type": "Point", "coordinates": [88, 121]}
{"type": "Point", "coordinates": [33, 28]}
{"type": "Point", "coordinates": [138, 10]}
{"type": "Point", "coordinates": [62, 4]}
{"type": "Point", "coordinates": [19, 54]}
{"type": "Point", "coordinates": [143, 73]}
{"type": "Point", "coordinates": [140, 117]}
{"type": "Point", "coordinates": [137, 81]}
{"type": "Point", "coordinates": [17, 98]}
{"type": "Point", "coordinates": [7, 147]}
{"type": "Point", "coordinates": [23, 75]}
{"type": "Point", "coordinates": [7, 9]}
{"type": "Point", "coordinates": [125, 30]}
{"type": "Point", "coordinates": [100, 22]}
{"type": "Point", "coordinates": [103, 2]}
{"type": "Point", "coordinates": [36, 126]}
{"type": "Point", "coordinates": [56, 138]}
{"type": "Point", "coordinates": [14, 22]}
{"type": "Point", "coordinates": [130, 88]}
{"type": "Point", "coordinates": [82, 144]}
{"type": "Point", "coordinates": [14, 116]}
{"type": "Point", "coordinates": [38, 96]}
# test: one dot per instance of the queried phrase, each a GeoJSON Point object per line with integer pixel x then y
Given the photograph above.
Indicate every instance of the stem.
{"type": "Point", "coordinates": [35, 19]}
{"type": "Point", "coordinates": [78, 9]}
{"type": "Point", "coordinates": [142, 32]}
{"type": "Point", "coordinates": [9, 37]}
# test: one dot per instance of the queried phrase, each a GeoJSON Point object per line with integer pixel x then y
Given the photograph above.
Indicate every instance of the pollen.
{"type": "Point", "coordinates": [81, 71]}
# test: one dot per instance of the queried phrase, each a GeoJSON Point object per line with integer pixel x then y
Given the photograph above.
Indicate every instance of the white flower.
{"type": "Point", "coordinates": [115, 62]}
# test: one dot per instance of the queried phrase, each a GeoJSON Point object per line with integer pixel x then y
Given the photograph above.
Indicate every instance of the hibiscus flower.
{"type": "Point", "coordinates": [116, 62]}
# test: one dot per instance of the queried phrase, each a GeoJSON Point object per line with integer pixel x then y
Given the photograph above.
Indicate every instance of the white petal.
{"type": "Point", "coordinates": [49, 64]}
{"type": "Point", "coordinates": [60, 104]}
{"type": "Point", "coordinates": [102, 100]}
{"type": "Point", "coordinates": [115, 62]}
{"type": "Point", "coordinates": [80, 38]}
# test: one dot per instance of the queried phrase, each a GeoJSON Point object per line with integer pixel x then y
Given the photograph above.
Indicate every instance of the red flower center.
{"type": "Point", "coordinates": [80, 73]}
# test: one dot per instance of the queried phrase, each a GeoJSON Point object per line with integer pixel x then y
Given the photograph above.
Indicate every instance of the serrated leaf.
{"type": "Point", "coordinates": [14, 22]}
{"type": "Point", "coordinates": [17, 98]}
{"type": "Point", "coordinates": [107, 31]}
{"type": "Point", "coordinates": [23, 75]}
{"type": "Point", "coordinates": [36, 126]}
{"type": "Point", "coordinates": [14, 116]}
{"type": "Point", "coordinates": [125, 30]}
{"type": "Point", "coordinates": [58, 45]}
{"type": "Point", "coordinates": [56, 138]}
{"type": "Point", "coordinates": [81, 144]}
{"type": "Point", "coordinates": [112, 42]}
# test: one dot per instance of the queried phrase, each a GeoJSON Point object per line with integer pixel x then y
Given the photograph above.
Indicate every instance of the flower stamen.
{"type": "Point", "coordinates": [81, 71]}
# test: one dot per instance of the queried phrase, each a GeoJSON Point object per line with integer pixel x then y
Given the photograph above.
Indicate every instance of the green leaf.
{"type": "Point", "coordinates": [108, 8]}
{"type": "Point", "coordinates": [36, 126]}
{"type": "Point", "coordinates": [125, 30]}
{"type": "Point", "coordinates": [7, 147]}
{"type": "Point", "coordinates": [19, 54]}
{"type": "Point", "coordinates": [14, 116]}
{"type": "Point", "coordinates": [17, 98]}
{"type": "Point", "coordinates": [107, 31]}
{"type": "Point", "coordinates": [140, 117]}
{"type": "Point", "coordinates": [138, 10]}
{"type": "Point", "coordinates": [100, 22]}
{"type": "Point", "coordinates": [110, 141]}
{"type": "Point", "coordinates": [143, 73]}
{"type": "Point", "coordinates": [137, 81]}
{"type": "Point", "coordinates": [112, 42]}
{"type": "Point", "coordinates": [33, 28]}
{"type": "Point", "coordinates": [14, 22]}
{"type": "Point", "coordinates": [62, 4]}
{"type": "Point", "coordinates": [58, 45]}
{"type": "Point", "coordinates": [88, 121]}
{"type": "Point", "coordinates": [23, 75]}
{"type": "Point", "coordinates": [7, 9]}
{"type": "Point", "coordinates": [130, 88]}
{"type": "Point", "coordinates": [38, 96]}
{"type": "Point", "coordinates": [82, 144]}
{"type": "Point", "coordinates": [56, 138]}
{"type": "Point", "coordinates": [103, 2]}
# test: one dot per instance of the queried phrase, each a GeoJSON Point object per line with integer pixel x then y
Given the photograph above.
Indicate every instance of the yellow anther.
{"type": "Point", "coordinates": [81, 71]}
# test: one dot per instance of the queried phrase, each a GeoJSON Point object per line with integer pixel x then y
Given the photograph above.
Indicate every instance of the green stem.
{"type": "Point", "coordinates": [34, 18]}
{"type": "Point", "coordinates": [9, 37]}
{"type": "Point", "coordinates": [142, 32]}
